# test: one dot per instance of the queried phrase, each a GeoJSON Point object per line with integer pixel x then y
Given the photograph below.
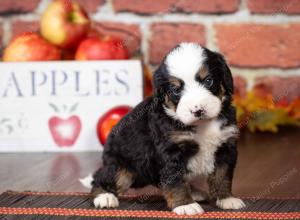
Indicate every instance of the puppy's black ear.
{"type": "Point", "coordinates": [159, 79]}
{"type": "Point", "coordinates": [227, 81]}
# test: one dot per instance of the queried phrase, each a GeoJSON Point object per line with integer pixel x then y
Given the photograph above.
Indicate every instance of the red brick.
{"type": "Point", "coordinates": [258, 45]}
{"type": "Point", "coordinates": [129, 33]}
{"type": "Point", "coordinates": [19, 6]}
{"type": "Point", "coordinates": [144, 6]}
{"type": "Point", "coordinates": [185, 6]}
{"type": "Point", "coordinates": [207, 6]}
{"type": "Point", "coordinates": [279, 87]}
{"type": "Point", "coordinates": [240, 86]}
{"type": "Point", "coordinates": [274, 6]}
{"type": "Point", "coordinates": [167, 35]}
{"type": "Point", "coordinates": [19, 27]}
{"type": "Point", "coordinates": [91, 6]}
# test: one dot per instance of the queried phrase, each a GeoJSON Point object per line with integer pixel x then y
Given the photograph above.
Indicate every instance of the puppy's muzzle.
{"type": "Point", "coordinates": [199, 113]}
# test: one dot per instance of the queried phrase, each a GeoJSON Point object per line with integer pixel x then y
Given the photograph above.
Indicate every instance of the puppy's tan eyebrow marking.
{"type": "Point", "coordinates": [175, 81]}
{"type": "Point", "coordinates": [203, 72]}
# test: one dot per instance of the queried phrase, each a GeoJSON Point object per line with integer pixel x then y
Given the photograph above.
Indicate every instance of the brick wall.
{"type": "Point", "coordinates": [260, 38]}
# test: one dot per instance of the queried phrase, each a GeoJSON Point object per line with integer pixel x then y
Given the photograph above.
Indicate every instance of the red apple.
{"type": "Point", "coordinates": [93, 32]}
{"type": "Point", "coordinates": [65, 131]}
{"type": "Point", "coordinates": [109, 120]}
{"type": "Point", "coordinates": [64, 23]}
{"type": "Point", "coordinates": [30, 47]}
{"type": "Point", "coordinates": [67, 54]}
{"type": "Point", "coordinates": [106, 48]}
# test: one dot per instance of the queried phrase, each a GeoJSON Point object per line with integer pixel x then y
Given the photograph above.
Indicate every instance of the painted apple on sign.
{"type": "Point", "coordinates": [65, 131]}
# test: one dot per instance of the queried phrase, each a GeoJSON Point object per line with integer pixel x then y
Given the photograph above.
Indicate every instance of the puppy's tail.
{"type": "Point", "coordinates": [87, 181]}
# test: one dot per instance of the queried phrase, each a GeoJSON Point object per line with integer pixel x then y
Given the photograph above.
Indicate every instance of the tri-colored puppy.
{"type": "Point", "coordinates": [185, 130]}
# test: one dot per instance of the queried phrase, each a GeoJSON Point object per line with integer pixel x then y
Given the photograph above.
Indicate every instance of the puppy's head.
{"type": "Point", "coordinates": [194, 83]}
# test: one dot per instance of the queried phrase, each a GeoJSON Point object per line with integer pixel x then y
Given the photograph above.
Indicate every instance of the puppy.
{"type": "Point", "coordinates": [185, 130]}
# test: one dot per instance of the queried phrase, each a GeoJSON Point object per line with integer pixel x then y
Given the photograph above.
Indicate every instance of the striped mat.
{"type": "Point", "coordinates": [71, 206]}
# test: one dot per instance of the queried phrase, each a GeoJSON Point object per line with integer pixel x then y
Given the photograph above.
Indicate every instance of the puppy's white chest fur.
{"type": "Point", "coordinates": [209, 136]}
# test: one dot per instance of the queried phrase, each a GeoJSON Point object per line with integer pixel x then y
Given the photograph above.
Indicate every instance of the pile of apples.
{"type": "Point", "coordinates": [65, 34]}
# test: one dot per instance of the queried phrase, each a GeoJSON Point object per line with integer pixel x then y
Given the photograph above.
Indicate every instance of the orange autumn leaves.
{"type": "Point", "coordinates": [258, 110]}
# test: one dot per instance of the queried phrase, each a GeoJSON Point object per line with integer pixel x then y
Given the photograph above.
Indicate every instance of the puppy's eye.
{"type": "Point", "coordinates": [175, 90]}
{"type": "Point", "coordinates": [208, 82]}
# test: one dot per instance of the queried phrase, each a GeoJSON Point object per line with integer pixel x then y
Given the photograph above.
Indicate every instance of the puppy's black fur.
{"type": "Point", "coordinates": [140, 143]}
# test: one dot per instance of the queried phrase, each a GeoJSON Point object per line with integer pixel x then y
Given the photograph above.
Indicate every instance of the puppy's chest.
{"type": "Point", "coordinates": [209, 136]}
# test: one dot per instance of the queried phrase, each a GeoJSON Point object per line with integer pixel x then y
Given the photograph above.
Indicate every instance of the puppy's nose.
{"type": "Point", "coordinates": [198, 113]}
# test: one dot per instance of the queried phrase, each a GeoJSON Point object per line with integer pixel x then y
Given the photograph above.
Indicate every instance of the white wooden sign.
{"type": "Point", "coordinates": [55, 106]}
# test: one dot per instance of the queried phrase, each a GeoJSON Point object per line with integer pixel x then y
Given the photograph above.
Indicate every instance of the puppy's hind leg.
{"type": "Point", "coordinates": [108, 182]}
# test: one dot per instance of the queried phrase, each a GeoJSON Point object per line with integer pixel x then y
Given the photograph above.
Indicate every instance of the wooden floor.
{"type": "Point", "coordinates": [268, 165]}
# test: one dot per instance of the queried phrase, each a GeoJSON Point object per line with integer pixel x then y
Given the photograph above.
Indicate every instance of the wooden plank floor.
{"type": "Point", "coordinates": [268, 165]}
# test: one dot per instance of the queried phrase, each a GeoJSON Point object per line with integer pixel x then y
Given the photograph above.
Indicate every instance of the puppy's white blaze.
{"type": "Point", "coordinates": [185, 61]}
{"type": "Point", "coordinates": [87, 181]}
{"type": "Point", "coordinates": [230, 203]}
{"type": "Point", "coordinates": [197, 97]}
{"type": "Point", "coordinates": [106, 200]}
{"type": "Point", "coordinates": [190, 209]}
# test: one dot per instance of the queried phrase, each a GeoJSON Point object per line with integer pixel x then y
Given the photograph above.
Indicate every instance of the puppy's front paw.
{"type": "Point", "coordinates": [106, 200]}
{"type": "Point", "coordinates": [230, 131]}
{"type": "Point", "coordinates": [190, 209]}
{"type": "Point", "coordinates": [230, 203]}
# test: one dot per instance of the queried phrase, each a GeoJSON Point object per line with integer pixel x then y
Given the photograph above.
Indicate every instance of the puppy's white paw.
{"type": "Point", "coordinates": [230, 203]}
{"type": "Point", "coordinates": [198, 195]}
{"type": "Point", "coordinates": [230, 131]}
{"type": "Point", "coordinates": [106, 200]}
{"type": "Point", "coordinates": [190, 209]}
